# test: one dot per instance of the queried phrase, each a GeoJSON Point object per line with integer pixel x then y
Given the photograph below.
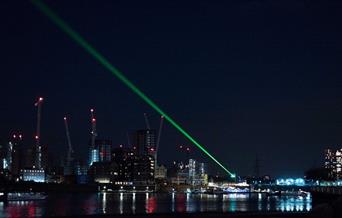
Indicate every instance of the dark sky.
{"type": "Point", "coordinates": [245, 78]}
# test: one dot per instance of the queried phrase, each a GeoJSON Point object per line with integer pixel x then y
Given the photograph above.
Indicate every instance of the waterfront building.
{"type": "Point", "coordinates": [333, 163]}
{"type": "Point", "coordinates": [34, 175]}
{"type": "Point", "coordinates": [104, 172]}
{"type": "Point", "coordinates": [160, 172]}
{"type": "Point", "coordinates": [124, 157]}
{"type": "Point", "coordinates": [143, 170]}
{"type": "Point", "coordinates": [81, 172]}
{"type": "Point", "coordinates": [192, 169]}
{"type": "Point", "coordinates": [197, 173]}
{"type": "Point", "coordinates": [55, 174]}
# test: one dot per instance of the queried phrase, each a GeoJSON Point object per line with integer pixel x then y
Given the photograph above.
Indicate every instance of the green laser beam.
{"type": "Point", "coordinates": [102, 60]}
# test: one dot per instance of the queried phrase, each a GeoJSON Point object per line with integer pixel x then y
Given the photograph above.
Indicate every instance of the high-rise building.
{"type": "Point", "coordinates": [146, 142]}
{"type": "Point", "coordinates": [197, 173]}
{"type": "Point", "coordinates": [192, 170]}
{"type": "Point", "coordinates": [13, 160]}
{"type": "Point", "coordinates": [124, 157]}
{"type": "Point", "coordinates": [333, 163]}
{"type": "Point", "coordinates": [104, 172]}
{"type": "Point", "coordinates": [101, 152]}
{"type": "Point", "coordinates": [93, 156]}
{"type": "Point", "coordinates": [143, 170]}
{"type": "Point", "coordinates": [29, 158]}
{"type": "Point", "coordinates": [104, 147]}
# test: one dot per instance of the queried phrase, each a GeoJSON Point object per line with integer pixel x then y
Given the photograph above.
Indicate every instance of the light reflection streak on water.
{"type": "Point", "coordinates": [173, 202]}
{"type": "Point", "coordinates": [146, 202]}
{"type": "Point", "coordinates": [292, 204]}
{"type": "Point", "coordinates": [188, 203]}
{"type": "Point", "coordinates": [268, 206]}
{"type": "Point", "coordinates": [259, 201]}
{"type": "Point", "coordinates": [152, 203]}
{"type": "Point", "coordinates": [104, 202]}
{"type": "Point", "coordinates": [121, 203]}
{"type": "Point", "coordinates": [133, 203]}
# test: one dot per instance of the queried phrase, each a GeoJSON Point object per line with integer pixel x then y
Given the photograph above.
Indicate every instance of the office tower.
{"type": "Point", "coordinates": [146, 142]}
{"type": "Point", "coordinates": [104, 148]}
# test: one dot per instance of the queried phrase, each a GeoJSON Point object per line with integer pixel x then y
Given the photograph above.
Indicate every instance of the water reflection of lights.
{"type": "Point", "coordinates": [173, 202]}
{"type": "Point", "coordinates": [180, 203]}
{"type": "Point", "coordinates": [146, 202]}
{"type": "Point", "coordinates": [232, 206]}
{"type": "Point", "coordinates": [259, 196]}
{"type": "Point", "coordinates": [133, 203]}
{"type": "Point", "coordinates": [238, 196]}
{"type": "Point", "coordinates": [260, 201]}
{"type": "Point", "coordinates": [190, 204]}
{"type": "Point", "coordinates": [151, 205]}
{"type": "Point", "coordinates": [104, 202]}
{"type": "Point", "coordinates": [121, 203]}
{"type": "Point", "coordinates": [299, 204]}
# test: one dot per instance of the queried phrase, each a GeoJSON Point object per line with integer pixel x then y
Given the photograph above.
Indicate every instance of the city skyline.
{"type": "Point", "coordinates": [288, 108]}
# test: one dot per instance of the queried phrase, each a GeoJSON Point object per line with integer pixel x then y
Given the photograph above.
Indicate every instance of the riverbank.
{"type": "Point", "coordinates": [214, 215]}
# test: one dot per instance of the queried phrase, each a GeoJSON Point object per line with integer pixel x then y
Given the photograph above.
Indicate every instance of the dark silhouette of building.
{"type": "Point", "coordinates": [104, 172]}
{"type": "Point", "coordinates": [143, 170]}
{"type": "Point", "coordinates": [14, 155]}
{"type": "Point", "coordinates": [104, 147]}
{"type": "Point", "coordinates": [146, 142]}
{"type": "Point", "coordinates": [124, 157]}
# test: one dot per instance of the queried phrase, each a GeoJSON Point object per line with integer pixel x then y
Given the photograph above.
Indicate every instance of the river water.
{"type": "Point", "coordinates": [119, 203]}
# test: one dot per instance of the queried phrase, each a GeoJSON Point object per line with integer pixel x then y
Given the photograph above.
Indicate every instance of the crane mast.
{"type": "Point", "coordinates": [93, 155]}
{"type": "Point", "coordinates": [70, 155]}
{"type": "Point", "coordinates": [93, 129]}
{"type": "Point", "coordinates": [147, 122]}
{"type": "Point", "coordinates": [159, 135]}
{"type": "Point", "coordinates": [38, 149]}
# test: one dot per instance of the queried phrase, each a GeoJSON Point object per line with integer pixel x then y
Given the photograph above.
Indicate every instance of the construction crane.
{"type": "Point", "coordinates": [38, 158]}
{"type": "Point", "coordinates": [93, 129]}
{"type": "Point", "coordinates": [128, 139]}
{"type": "Point", "coordinates": [70, 156]}
{"type": "Point", "coordinates": [93, 155]}
{"type": "Point", "coordinates": [147, 122]}
{"type": "Point", "coordinates": [159, 135]}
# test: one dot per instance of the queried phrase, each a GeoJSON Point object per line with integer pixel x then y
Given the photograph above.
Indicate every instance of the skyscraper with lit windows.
{"type": "Point", "coordinates": [333, 163]}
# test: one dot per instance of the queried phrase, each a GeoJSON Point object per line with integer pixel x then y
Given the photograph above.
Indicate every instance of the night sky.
{"type": "Point", "coordinates": [245, 78]}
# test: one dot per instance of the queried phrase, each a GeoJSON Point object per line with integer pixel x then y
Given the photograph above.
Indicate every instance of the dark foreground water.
{"type": "Point", "coordinates": [119, 203]}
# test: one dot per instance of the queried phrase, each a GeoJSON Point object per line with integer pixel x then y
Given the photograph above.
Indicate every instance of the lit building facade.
{"type": "Point", "coordinates": [197, 173]}
{"type": "Point", "coordinates": [333, 163]}
{"type": "Point", "coordinates": [13, 160]}
{"type": "Point", "coordinates": [93, 156]}
{"type": "Point", "coordinates": [143, 170]}
{"type": "Point", "coordinates": [101, 152]}
{"type": "Point", "coordinates": [34, 175]}
{"type": "Point", "coordinates": [105, 149]}
{"type": "Point", "coordinates": [104, 172]}
{"type": "Point", "coordinates": [160, 172]}
{"type": "Point", "coordinates": [124, 157]}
